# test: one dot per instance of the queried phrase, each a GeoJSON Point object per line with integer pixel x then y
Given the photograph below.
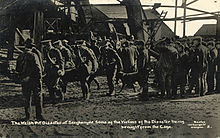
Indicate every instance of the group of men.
{"type": "Point", "coordinates": [191, 61]}
{"type": "Point", "coordinates": [59, 62]}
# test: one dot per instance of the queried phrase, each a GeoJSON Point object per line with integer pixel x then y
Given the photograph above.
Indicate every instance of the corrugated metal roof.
{"type": "Point", "coordinates": [120, 12]}
{"type": "Point", "coordinates": [114, 11]}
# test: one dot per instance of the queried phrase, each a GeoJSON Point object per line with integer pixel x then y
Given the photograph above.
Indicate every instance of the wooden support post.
{"type": "Point", "coordinates": [11, 37]}
{"type": "Point", "coordinates": [38, 28]}
{"type": "Point", "coordinates": [68, 8]}
{"type": "Point", "coordinates": [135, 23]}
{"type": "Point", "coordinates": [175, 17]}
{"type": "Point", "coordinates": [184, 20]}
{"type": "Point", "coordinates": [218, 46]}
{"type": "Point", "coordinates": [218, 28]}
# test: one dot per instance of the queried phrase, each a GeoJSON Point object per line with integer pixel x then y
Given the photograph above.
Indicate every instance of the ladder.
{"type": "Point", "coordinates": [159, 23]}
{"type": "Point", "coordinates": [157, 26]}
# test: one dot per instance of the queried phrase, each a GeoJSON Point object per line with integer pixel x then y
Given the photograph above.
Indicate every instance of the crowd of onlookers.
{"type": "Point", "coordinates": [183, 64]}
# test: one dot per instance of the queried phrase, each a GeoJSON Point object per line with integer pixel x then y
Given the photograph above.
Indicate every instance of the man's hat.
{"type": "Point", "coordinates": [65, 41]}
{"type": "Point", "coordinates": [81, 42]}
{"type": "Point", "coordinates": [29, 43]}
{"type": "Point", "coordinates": [45, 41]}
{"type": "Point", "coordinates": [199, 38]}
{"type": "Point", "coordinates": [59, 42]}
{"type": "Point", "coordinates": [212, 43]}
{"type": "Point", "coordinates": [178, 42]}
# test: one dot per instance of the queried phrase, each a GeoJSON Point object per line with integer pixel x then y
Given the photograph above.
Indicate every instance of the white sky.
{"type": "Point", "coordinates": [191, 27]}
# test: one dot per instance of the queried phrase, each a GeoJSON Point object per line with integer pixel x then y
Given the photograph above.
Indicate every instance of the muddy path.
{"type": "Point", "coordinates": [121, 116]}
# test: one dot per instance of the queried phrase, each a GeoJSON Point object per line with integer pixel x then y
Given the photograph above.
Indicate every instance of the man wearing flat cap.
{"type": "Point", "coordinates": [66, 54]}
{"type": "Point", "coordinates": [111, 63]}
{"type": "Point", "coordinates": [143, 67]}
{"type": "Point", "coordinates": [199, 67]}
{"type": "Point", "coordinates": [29, 71]}
{"type": "Point", "coordinates": [54, 69]}
{"type": "Point", "coordinates": [166, 65]}
{"type": "Point", "coordinates": [180, 70]}
{"type": "Point", "coordinates": [211, 65]}
{"type": "Point", "coordinates": [217, 45]}
{"type": "Point", "coordinates": [88, 64]}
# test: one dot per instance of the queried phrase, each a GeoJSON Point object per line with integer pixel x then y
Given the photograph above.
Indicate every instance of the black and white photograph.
{"type": "Point", "coordinates": [110, 68]}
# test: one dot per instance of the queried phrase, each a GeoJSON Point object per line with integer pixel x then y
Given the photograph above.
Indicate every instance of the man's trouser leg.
{"type": "Point", "coordinates": [85, 88]}
{"type": "Point", "coordinates": [174, 85]}
{"type": "Point", "coordinates": [143, 82]}
{"type": "Point", "coordinates": [203, 83]}
{"type": "Point", "coordinates": [168, 85]}
{"type": "Point", "coordinates": [210, 81]}
{"type": "Point", "coordinates": [182, 89]}
{"type": "Point", "coordinates": [111, 73]}
{"type": "Point", "coordinates": [37, 94]}
{"type": "Point", "coordinates": [198, 83]}
{"type": "Point", "coordinates": [26, 90]}
{"type": "Point", "coordinates": [51, 85]}
{"type": "Point", "coordinates": [162, 83]}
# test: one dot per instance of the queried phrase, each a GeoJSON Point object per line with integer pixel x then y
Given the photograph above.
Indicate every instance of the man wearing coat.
{"type": "Point", "coordinates": [29, 71]}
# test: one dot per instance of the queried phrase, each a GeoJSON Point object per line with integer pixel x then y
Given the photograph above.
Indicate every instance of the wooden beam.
{"type": "Point", "coordinates": [192, 18]}
{"type": "Point", "coordinates": [218, 28]}
{"type": "Point", "coordinates": [144, 5]}
{"type": "Point", "coordinates": [199, 14]}
{"type": "Point", "coordinates": [184, 19]}
{"type": "Point", "coordinates": [191, 2]}
{"type": "Point", "coordinates": [135, 21]}
{"type": "Point", "coordinates": [20, 34]}
{"type": "Point", "coordinates": [11, 38]}
{"type": "Point", "coordinates": [38, 28]}
{"type": "Point", "coordinates": [193, 9]}
{"type": "Point", "coordinates": [175, 21]}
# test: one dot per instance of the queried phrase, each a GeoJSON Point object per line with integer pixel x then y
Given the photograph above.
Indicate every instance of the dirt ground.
{"type": "Point", "coordinates": [121, 116]}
